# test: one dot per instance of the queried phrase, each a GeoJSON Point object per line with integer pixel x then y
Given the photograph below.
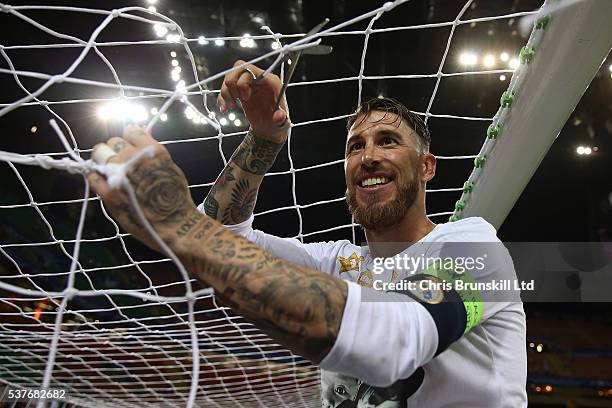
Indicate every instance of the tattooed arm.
{"type": "Point", "coordinates": [232, 198]}
{"type": "Point", "coordinates": [299, 307]}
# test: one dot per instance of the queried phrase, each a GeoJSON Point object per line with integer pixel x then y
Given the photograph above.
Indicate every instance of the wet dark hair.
{"type": "Point", "coordinates": [394, 106]}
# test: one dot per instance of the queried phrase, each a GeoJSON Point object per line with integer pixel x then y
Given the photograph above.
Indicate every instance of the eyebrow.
{"type": "Point", "coordinates": [382, 132]}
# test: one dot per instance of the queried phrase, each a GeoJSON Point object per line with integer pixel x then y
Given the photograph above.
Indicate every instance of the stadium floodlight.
{"type": "Point", "coordinates": [223, 121]}
{"type": "Point", "coordinates": [202, 40]}
{"type": "Point", "coordinates": [160, 30]}
{"type": "Point", "coordinates": [231, 116]}
{"type": "Point", "coordinates": [189, 113]}
{"type": "Point", "coordinates": [468, 58]}
{"type": "Point", "coordinates": [173, 38]}
{"type": "Point", "coordinates": [152, 9]}
{"type": "Point", "coordinates": [275, 45]}
{"type": "Point", "coordinates": [247, 41]}
{"type": "Point", "coordinates": [237, 123]}
{"type": "Point", "coordinates": [502, 77]}
{"type": "Point", "coordinates": [514, 63]}
{"type": "Point", "coordinates": [488, 61]}
{"type": "Point", "coordinates": [584, 150]}
{"type": "Point", "coordinates": [163, 117]}
{"type": "Point", "coordinates": [219, 42]}
{"type": "Point", "coordinates": [123, 110]}
{"type": "Point", "coordinates": [151, 1]}
{"type": "Point", "coordinates": [504, 56]}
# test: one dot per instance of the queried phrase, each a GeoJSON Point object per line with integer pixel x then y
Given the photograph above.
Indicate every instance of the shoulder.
{"type": "Point", "coordinates": [472, 229]}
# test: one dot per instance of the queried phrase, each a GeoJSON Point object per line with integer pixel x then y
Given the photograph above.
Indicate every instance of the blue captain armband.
{"type": "Point", "coordinates": [455, 312]}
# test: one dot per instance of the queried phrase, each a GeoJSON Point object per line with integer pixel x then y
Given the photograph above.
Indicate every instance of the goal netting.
{"type": "Point", "coordinates": [86, 308]}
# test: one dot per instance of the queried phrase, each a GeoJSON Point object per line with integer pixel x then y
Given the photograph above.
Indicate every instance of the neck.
{"type": "Point", "coordinates": [394, 239]}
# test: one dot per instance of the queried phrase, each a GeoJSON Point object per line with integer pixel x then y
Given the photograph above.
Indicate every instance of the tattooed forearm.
{"type": "Point", "coordinates": [256, 155]}
{"type": "Point", "coordinates": [242, 203]}
{"type": "Point", "coordinates": [299, 307]}
{"type": "Point", "coordinates": [232, 199]}
{"type": "Point", "coordinates": [162, 187]}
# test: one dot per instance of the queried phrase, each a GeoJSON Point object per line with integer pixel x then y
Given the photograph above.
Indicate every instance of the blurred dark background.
{"type": "Point", "coordinates": [569, 198]}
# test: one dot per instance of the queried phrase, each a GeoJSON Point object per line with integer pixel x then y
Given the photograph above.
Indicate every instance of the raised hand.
{"type": "Point", "coordinates": [258, 99]}
{"type": "Point", "coordinates": [159, 184]}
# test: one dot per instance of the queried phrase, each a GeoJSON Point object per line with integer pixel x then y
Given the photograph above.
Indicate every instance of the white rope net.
{"type": "Point", "coordinates": [84, 310]}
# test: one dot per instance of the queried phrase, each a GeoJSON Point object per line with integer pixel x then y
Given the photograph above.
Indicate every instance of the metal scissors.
{"type": "Point", "coordinates": [291, 59]}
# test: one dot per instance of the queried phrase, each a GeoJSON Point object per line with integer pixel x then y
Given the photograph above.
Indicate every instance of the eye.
{"type": "Point", "coordinates": [355, 146]}
{"type": "Point", "coordinates": [340, 390]}
{"type": "Point", "coordinates": [387, 140]}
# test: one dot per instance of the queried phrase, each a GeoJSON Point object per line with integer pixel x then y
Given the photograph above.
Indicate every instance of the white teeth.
{"type": "Point", "coordinates": [373, 180]}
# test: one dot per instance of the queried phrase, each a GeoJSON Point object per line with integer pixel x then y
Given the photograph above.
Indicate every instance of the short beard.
{"type": "Point", "coordinates": [374, 216]}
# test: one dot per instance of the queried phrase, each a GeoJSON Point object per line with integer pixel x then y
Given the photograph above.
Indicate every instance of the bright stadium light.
{"type": "Point", "coordinates": [223, 121]}
{"type": "Point", "coordinates": [189, 113]}
{"type": "Point", "coordinates": [219, 43]}
{"type": "Point", "coordinates": [514, 63]}
{"type": "Point", "coordinates": [163, 117]}
{"type": "Point", "coordinates": [173, 54]}
{"type": "Point", "coordinates": [504, 56]}
{"type": "Point", "coordinates": [584, 150]}
{"type": "Point", "coordinates": [152, 9]}
{"type": "Point", "coordinates": [468, 59]}
{"type": "Point", "coordinates": [202, 40]}
{"type": "Point", "coordinates": [488, 61]}
{"type": "Point", "coordinates": [123, 110]}
{"type": "Point", "coordinates": [275, 45]}
{"type": "Point", "coordinates": [174, 63]}
{"type": "Point", "coordinates": [231, 116]}
{"type": "Point", "coordinates": [151, 1]}
{"type": "Point", "coordinates": [173, 38]}
{"type": "Point", "coordinates": [237, 123]}
{"type": "Point", "coordinates": [160, 30]}
{"type": "Point", "coordinates": [247, 41]}
{"type": "Point", "coordinates": [502, 77]}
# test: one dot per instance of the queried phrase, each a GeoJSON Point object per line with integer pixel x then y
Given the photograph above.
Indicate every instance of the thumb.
{"type": "Point", "coordinates": [280, 117]}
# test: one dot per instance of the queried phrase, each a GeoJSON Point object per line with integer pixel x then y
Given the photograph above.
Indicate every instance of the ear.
{"type": "Point", "coordinates": [428, 167]}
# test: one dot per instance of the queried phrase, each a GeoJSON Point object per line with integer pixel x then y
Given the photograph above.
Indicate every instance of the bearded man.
{"type": "Point", "coordinates": [421, 342]}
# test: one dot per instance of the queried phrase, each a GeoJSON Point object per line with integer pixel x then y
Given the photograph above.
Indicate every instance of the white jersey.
{"type": "Point", "coordinates": [400, 353]}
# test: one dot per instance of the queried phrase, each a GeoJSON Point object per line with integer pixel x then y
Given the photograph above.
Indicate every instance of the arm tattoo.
{"type": "Point", "coordinates": [211, 205]}
{"type": "Point", "coordinates": [300, 308]}
{"type": "Point", "coordinates": [242, 203]}
{"type": "Point", "coordinates": [162, 190]}
{"type": "Point", "coordinates": [256, 155]}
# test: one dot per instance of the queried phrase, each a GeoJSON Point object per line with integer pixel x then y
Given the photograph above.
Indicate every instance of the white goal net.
{"type": "Point", "coordinates": [87, 309]}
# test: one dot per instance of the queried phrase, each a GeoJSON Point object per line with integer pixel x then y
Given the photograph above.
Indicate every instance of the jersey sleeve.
{"type": "Point", "coordinates": [388, 333]}
{"type": "Point", "coordinates": [383, 337]}
{"type": "Point", "coordinates": [311, 255]}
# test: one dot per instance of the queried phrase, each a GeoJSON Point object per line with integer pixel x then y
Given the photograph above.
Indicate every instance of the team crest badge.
{"type": "Point", "coordinates": [351, 263]}
{"type": "Point", "coordinates": [428, 290]}
{"type": "Point", "coordinates": [366, 279]}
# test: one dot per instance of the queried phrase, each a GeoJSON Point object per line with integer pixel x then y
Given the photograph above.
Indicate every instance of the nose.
{"type": "Point", "coordinates": [370, 156]}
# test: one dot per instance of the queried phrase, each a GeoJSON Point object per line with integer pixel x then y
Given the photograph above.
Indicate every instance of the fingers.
{"type": "Point", "coordinates": [237, 85]}
{"type": "Point", "coordinates": [98, 184]}
{"type": "Point", "coordinates": [138, 136]}
{"type": "Point", "coordinates": [102, 153]}
{"type": "Point", "coordinates": [280, 118]}
{"type": "Point", "coordinates": [243, 85]}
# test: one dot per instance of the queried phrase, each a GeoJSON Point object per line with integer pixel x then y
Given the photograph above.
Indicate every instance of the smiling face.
{"type": "Point", "coordinates": [382, 169]}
